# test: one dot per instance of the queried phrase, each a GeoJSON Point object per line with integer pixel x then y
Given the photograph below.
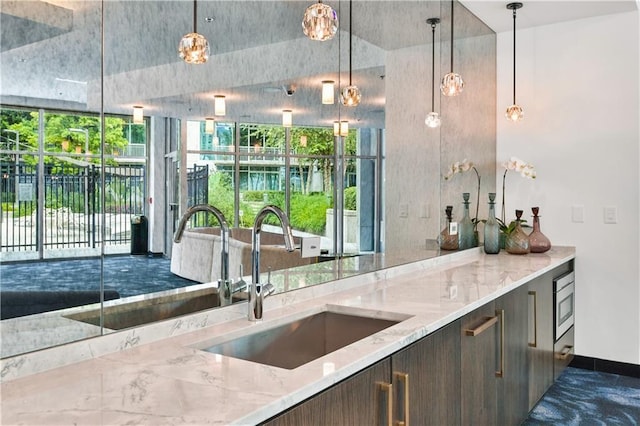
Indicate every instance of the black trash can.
{"type": "Point", "coordinates": [139, 235]}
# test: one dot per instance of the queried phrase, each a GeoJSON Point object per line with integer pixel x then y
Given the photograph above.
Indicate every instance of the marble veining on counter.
{"type": "Point", "coordinates": [173, 381]}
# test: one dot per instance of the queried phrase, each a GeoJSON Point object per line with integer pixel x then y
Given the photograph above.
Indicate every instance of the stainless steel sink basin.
{"type": "Point", "coordinates": [296, 343]}
{"type": "Point", "coordinates": [154, 309]}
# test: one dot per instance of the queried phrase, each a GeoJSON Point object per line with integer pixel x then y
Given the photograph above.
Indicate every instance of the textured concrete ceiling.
{"type": "Point", "coordinates": [51, 51]}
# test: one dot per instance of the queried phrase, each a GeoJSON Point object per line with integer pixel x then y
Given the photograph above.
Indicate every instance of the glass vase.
{"type": "Point", "coordinates": [466, 234]}
{"type": "Point", "coordinates": [492, 229]}
{"type": "Point", "coordinates": [538, 242]}
{"type": "Point", "coordinates": [448, 238]}
{"type": "Point", "coordinates": [517, 241]}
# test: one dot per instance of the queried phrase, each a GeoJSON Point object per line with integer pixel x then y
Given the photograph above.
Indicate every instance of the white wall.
{"type": "Point", "coordinates": [578, 84]}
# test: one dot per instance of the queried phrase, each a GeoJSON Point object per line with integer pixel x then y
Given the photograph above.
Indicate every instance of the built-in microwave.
{"type": "Point", "coordinates": [563, 320]}
{"type": "Point", "coordinates": [564, 302]}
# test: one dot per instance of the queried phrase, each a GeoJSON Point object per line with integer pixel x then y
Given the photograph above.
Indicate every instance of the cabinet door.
{"type": "Point", "coordinates": [541, 343]}
{"type": "Point", "coordinates": [540, 337]}
{"type": "Point", "coordinates": [513, 382]}
{"type": "Point", "coordinates": [359, 400]}
{"type": "Point", "coordinates": [479, 363]}
{"type": "Point", "coordinates": [426, 379]}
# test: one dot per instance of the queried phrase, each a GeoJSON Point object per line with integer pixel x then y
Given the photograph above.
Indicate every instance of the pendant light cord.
{"type": "Point", "coordinates": [433, 65]}
{"type": "Point", "coordinates": [514, 56]}
{"type": "Point", "coordinates": [452, 7]}
{"type": "Point", "coordinates": [350, 34]}
{"type": "Point", "coordinates": [195, 16]}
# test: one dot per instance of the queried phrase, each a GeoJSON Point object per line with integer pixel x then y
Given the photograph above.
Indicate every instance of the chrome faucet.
{"type": "Point", "coordinates": [224, 284]}
{"type": "Point", "coordinates": [258, 292]}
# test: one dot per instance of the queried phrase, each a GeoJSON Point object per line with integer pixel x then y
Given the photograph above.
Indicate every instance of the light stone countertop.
{"type": "Point", "coordinates": [136, 380]}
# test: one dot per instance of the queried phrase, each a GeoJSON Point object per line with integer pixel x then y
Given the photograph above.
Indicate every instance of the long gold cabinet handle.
{"type": "Point", "coordinates": [482, 327]}
{"type": "Point", "coordinates": [500, 373]}
{"type": "Point", "coordinates": [535, 319]}
{"type": "Point", "coordinates": [402, 391]}
{"type": "Point", "coordinates": [388, 389]}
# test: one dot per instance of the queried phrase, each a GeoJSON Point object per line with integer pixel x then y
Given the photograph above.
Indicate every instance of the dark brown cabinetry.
{"type": "Point", "coordinates": [426, 379]}
{"type": "Point", "coordinates": [487, 368]}
{"type": "Point", "coordinates": [363, 399]}
{"type": "Point", "coordinates": [513, 383]}
{"type": "Point", "coordinates": [418, 385]}
{"type": "Point", "coordinates": [541, 344]}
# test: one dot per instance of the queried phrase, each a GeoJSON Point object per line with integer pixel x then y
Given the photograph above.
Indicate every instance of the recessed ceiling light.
{"type": "Point", "coordinates": [209, 19]}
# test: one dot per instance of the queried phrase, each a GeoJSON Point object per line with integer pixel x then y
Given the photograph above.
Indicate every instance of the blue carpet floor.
{"type": "Point", "coordinates": [129, 275]}
{"type": "Point", "coordinates": [585, 398]}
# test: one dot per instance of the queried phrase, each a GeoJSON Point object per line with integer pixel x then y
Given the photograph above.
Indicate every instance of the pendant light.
{"type": "Point", "coordinates": [433, 119]}
{"type": "Point", "coordinates": [194, 48]}
{"type": "Point", "coordinates": [350, 96]}
{"type": "Point", "coordinates": [514, 112]}
{"type": "Point", "coordinates": [452, 83]}
{"type": "Point", "coordinates": [320, 22]}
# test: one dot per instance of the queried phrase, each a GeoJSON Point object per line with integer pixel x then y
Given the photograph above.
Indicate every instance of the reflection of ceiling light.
{"type": "Point", "coordinates": [138, 114]}
{"type": "Point", "coordinates": [452, 83]}
{"type": "Point", "coordinates": [67, 80]}
{"type": "Point", "coordinates": [340, 128]}
{"type": "Point", "coordinates": [194, 48]}
{"type": "Point", "coordinates": [350, 95]}
{"type": "Point", "coordinates": [219, 105]}
{"type": "Point", "coordinates": [303, 140]}
{"type": "Point", "coordinates": [320, 22]}
{"type": "Point", "coordinates": [287, 118]}
{"type": "Point", "coordinates": [209, 125]}
{"type": "Point", "coordinates": [433, 119]}
{"type": "Point", "coordinates": [327, 92]}
{"type": "Point", "coordinates": [514, 112]}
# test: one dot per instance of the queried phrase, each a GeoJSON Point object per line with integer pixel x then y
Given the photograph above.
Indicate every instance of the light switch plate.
{"type": "Point", "coordinates": [310, 247]}
{"type": "Point", "coordinates": [610, 214]}
{"type": "Point", "coordinates": [577, 213]}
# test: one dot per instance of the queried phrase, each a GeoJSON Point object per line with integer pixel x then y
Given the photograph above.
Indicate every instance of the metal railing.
{"type": "Point", "coordinates": [67, 213]}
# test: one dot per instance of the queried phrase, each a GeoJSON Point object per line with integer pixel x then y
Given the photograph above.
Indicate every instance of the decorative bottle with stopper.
{"type": "Point", "coordinates": [492, 229]}
{"type": "Point", "coordinates": [449, 236]}
{"type": "Point", "coordinates": [517, 241]}
{"type": "Point", "coordinates": [466, 238]}
{"type": "Point", "coordinates": [538, 242]}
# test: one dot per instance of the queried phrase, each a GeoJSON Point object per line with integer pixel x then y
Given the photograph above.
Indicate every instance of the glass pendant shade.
{"type": "Point", "coordinates": [432, 120]}
{"type": "Point", "coordinates": [350, 96]}
{"type": "Point", "coordinates": [514, 113]}
{"type": "Point", "coordinates": [194, 48]}
{"type": "Point", "coordinates": [327, 92]}
{"type": "Point", "coordinates": [452, 84]}
{"type": "Point", "coordinates": [336, 128]}
{"type": "Point", "coordinates": [320, 22]}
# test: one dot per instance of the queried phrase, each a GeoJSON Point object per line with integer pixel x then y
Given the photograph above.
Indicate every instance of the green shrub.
{"type": "Point", "coordinates": [308, 212]}
{"type": "Point", "coordinates": [350, 198]}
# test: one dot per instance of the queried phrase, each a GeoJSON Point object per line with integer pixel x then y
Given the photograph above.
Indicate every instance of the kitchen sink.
{"type": "Point", "coordinates": [131, 314]}
{"type": "Point", "coordinates": [301, 341]}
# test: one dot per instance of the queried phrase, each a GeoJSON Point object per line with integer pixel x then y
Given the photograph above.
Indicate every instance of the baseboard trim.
{"type": "Point", "coordinates": [605, 366]}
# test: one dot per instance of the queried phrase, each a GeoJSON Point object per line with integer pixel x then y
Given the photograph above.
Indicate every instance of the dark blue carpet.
{"type": "Point", "coordinates": [128, 275]}
{"type": "Point", "coordinates": [586, 398]}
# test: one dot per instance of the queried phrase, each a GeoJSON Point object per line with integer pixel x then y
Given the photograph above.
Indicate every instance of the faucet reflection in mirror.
{"type": "Point", "coordinates": [224, 284]}
{"type": "Point", "coordinates": [257, 292]}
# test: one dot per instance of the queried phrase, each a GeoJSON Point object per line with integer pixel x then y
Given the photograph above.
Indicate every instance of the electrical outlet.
{"type": "Point", "coordinates": [577, 213]}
